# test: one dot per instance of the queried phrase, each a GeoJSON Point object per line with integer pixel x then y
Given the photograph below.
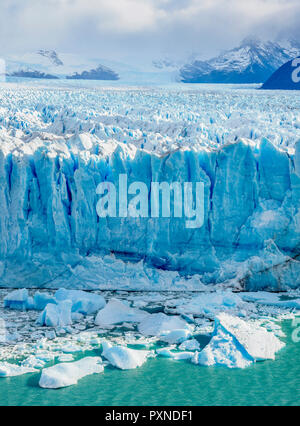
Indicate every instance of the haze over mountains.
{"type": "Point", "coordinates": [254, 61]}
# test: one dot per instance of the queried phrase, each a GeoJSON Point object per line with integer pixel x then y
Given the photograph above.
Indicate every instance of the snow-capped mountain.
{"type": "Point", "coordinates": [253, 61]}
{"type": "Point", "coordinates": [52, 56]}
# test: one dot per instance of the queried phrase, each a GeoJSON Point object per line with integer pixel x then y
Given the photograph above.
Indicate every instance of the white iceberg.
{"type": "Point", "coordinates": [177, 356]}
{"type": "Point", "coordinates": [56, 315]}
{"type": "Point", "coordinates": [190, 345]}
{"type": "Point", "coordinates": [13, 370]}
{"type": "Point", "coordinates": [41, 300]}
{"type": "Point", "coordinates": [17, 299]}
{"type": "Point", "coordinates": [175, 336]}
{"type": "Point", "coordinates": [271, 299]}
{"type": "Point", "coordinates": [210, 304]}
{"type": "Point", "coordinates": [238, 344]}
{"type": "Point", "coordinates": [223, 351]}
{"type": "Point", "coordinates": [124, 358]}
{"type": "Point", "coordinates": [33, 362]}
{"type": "Point", "coordinates": [117, 312]}
{"type": "Point", "coordinates": [259, 343]}
{"type": "Point", "coordinates": [67, 374]}
{"type": "Point", "coordinates": [82, 302]}
{"type": "Point", "coordinates": [160, 324]}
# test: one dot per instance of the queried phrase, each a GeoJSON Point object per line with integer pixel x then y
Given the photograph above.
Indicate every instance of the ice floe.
{"type": "Point", "coordinates": [160, 324]}
{"type": "Point", "coordinates": [238, 344]}
{"type": "Point", "coordinates": [190, 345]}
{"type": "Point", "coordinates": [117, 312]}
{"type": "Point", "coordinates": [178, 356]}
{"type": "Point", "coordinates": [17, 299]}
{"type": "Point", "coordinates": [68, 374]}
{"type": "Point", "coordinates": [82, 302]}
{"type": "Point", "coordinates": [12, 370]}
{"type": "Point", "coordinates": [124, 358]}
{"type": "Point", "coordinates": [56, 315]}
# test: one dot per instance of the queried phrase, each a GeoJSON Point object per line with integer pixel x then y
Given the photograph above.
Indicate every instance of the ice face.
{"type": "Point", "coordinates": [241, 144]}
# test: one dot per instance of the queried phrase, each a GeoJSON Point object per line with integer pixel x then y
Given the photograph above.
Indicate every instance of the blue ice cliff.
{"type": "Point", "coordinates": [52, 159]}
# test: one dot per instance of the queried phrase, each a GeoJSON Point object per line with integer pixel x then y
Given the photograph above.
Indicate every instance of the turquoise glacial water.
{"type": "Point", "coordinates": [165, 382]}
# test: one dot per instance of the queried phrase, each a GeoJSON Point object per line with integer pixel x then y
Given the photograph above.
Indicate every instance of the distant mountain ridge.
{"type": "Point", "coordinates": [47, 64]}
{"type": "Point", "coordinates": [253, 61]}
{"type": "Point", "coordinates": [100, 73]}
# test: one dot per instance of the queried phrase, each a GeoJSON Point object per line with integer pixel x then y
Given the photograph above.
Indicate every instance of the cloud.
{"type": "Point", "coordinates": [142, 27]}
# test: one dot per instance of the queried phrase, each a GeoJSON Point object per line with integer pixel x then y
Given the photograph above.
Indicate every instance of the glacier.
{"type": "Point", "coordinates": [58, 144]}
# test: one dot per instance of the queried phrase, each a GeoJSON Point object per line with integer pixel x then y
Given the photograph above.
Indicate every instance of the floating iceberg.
{"type": "Point", "coordinates": [161, 324]}
{"type": "Point", "coordinates": [238, 344]}
{"type": "Point", "coordinates": [271, 299]}
{"type": "Point", "coordinates": [124, 358]}
{"type": "Point", "coordinates": [223, 350]}
{"type": "Point", "coordinates": [190, 345]}
{"type": "Point", "coordinates": [68, 374]}
{"type": "Point", "coordinates": [177, 356]}
{"type": "Point", "coordinates": [56, 315]}
{"type": "Point", "coordinates": [13, 370]}
{"type": "Point", "coordinates": [83, 302]}
{"type": "Point", "coordinates": [41, 300]}
{"type": "Point", "coordinates": [18, 300]}
{"type": "Point", "coordinates": [175, 336]}
{"type": "Point", "coordinates": [212, 303]}
{"type": "Point", "coordinates": [117, 312]}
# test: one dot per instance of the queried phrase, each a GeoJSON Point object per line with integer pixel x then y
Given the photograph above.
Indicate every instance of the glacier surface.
{"type": "Point", "coordinates": [57, 145]}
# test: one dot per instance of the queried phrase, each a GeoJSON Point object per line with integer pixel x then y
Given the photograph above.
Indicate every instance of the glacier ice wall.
{"type": "Point", "coordinates": [52, 159]}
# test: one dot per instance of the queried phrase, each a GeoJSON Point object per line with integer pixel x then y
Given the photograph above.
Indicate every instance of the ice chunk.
{"type": "Point", "coordinates": [256, 341]}
{"type": "Point", "coordinates": [238, 344]}
{"type": "Point", "coordinates": [178, 356]}
{"type": "Point", "coordinates": [18, 300]}
{"type": "Point", "coordinates": [41, 300]}
{"type": "Point", "coordinates": [56, 315]}
{"type": "Point", "coordinates": [212, 303]}
{"type": "Point", "coordinates": [159, 324]}
{"type": "Point", "coordinates": [271, 299]}
{"type": "Point", "coordinates": [175, 336]}
{"type": "Point", "coordinates": [68, 374]}
{"type": "Point", "coordinates": [33, 363]}
{"type": "Point", "coordinates": [116, 312]}
{"type": "Point", "coordinates": [223, 351]}
{"type": "Point", "coordinates": [66, 358]}
{"type": "Point", "coordinates": [124, 358]}
{"type": "Point", "coordinates": [83, 302]}
{"type": "Point", "coordinates": [13, 370]}
{"type": "Point", "coordinates": [190, 345]}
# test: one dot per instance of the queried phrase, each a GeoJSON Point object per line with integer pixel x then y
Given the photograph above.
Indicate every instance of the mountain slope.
{"type": "Point", "coordinates": [286, 77]}
{"type": "Point", "coordinates": [253, 61]}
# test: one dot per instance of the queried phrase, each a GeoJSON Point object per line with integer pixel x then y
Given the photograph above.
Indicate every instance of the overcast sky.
{"type": "Point", "coordinates": [122, 29]}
